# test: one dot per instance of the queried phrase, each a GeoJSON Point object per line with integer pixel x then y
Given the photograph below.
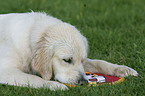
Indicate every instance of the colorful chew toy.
{"type": "Point", "coordinates": [96, 79]}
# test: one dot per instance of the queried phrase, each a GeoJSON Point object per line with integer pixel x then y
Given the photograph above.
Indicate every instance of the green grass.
{"type": "Point", "coordinates": [115, 30]}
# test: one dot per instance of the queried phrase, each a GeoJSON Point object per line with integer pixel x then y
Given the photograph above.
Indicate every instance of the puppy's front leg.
{"type": "Point", "coordinates": [100, 66]}
{"type": "Point", "coordinates": [13, 76]}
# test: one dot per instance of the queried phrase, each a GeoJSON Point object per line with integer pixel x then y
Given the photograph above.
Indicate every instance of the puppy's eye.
{"type": "Point", "coordinates": [69, 60]}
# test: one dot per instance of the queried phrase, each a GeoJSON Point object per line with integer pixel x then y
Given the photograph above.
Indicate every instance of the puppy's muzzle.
{"type": "Point", "coordinates": [82, 81]}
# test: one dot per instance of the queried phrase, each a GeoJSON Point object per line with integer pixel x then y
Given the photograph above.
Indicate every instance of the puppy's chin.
{"type": "Point", "coordinates": [66, 80]}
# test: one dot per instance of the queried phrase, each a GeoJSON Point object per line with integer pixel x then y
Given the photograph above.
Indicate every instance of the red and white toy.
{"type": "Point", "coordinates": [96, 79]}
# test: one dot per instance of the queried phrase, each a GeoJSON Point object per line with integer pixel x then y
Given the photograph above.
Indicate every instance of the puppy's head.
{"type": "Point", "coordinates": [64, 53]}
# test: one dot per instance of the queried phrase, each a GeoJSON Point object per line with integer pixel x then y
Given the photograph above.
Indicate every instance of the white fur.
{"type": "Point", "coordinates": [36, 43]}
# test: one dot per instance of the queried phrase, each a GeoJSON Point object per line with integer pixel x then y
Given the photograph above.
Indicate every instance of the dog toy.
{"type": "Point", "coordinates": [95, 79]}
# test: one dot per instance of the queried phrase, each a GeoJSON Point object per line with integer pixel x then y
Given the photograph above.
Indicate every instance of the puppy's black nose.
{"type": "Point", "coordinates": [82, 81]}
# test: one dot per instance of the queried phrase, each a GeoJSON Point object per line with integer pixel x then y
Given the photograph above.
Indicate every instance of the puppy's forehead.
{"type": "Point", "coordinates": [69, 40]}
{"type": "Point", "coordinates": [64, 31]}
{"type": "Point", "coordinates": [66, 51]}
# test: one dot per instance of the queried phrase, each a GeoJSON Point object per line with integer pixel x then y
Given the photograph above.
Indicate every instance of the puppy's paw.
{"type": "Point", "coordinates": [53, 85]}
{"type": "Point", "coordinates": [124, 71]}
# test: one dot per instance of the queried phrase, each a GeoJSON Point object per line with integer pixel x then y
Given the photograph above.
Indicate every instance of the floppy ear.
{"type": "Point", "coordinates": [41, 59]}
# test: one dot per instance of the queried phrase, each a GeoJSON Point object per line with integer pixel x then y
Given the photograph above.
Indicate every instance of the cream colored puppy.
{"type": "Point", "coordinates": [36, 43]}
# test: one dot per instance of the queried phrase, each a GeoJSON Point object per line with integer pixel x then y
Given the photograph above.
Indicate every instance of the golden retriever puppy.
{"type": "Point", "coordinates": [35, 46]}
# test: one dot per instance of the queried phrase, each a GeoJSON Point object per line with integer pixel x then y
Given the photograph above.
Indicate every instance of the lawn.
{"type": "Point", "coordinates": [115, 30]}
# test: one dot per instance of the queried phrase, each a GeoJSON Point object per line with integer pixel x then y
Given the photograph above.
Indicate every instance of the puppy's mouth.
{"type": "Point", "coordinates": [70, 81]}
{"type": "Point", "coordinates": [81, 81]}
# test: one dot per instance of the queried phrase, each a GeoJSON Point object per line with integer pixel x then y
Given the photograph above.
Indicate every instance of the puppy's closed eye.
{"type": "Point", "coordinates": [68, 60]}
